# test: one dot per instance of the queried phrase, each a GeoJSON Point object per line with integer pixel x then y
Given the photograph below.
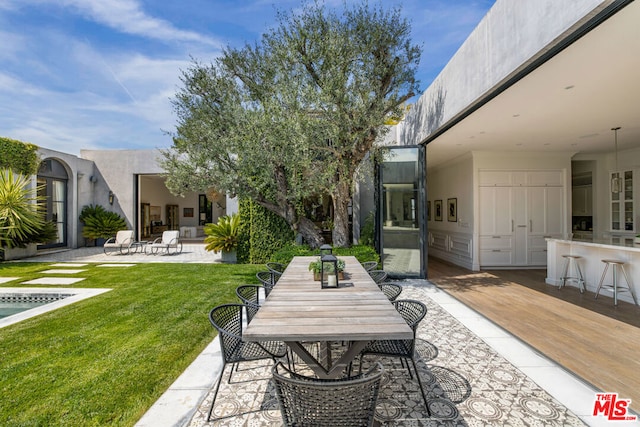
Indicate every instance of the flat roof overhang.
{"type": "Point", "coordinates": [567, 100]}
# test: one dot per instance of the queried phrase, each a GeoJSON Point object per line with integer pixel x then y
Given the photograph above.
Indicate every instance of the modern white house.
{"type": "Point", "coordinates": [519, 140]}
{"type": "Point", "coordinates": [512, 144]}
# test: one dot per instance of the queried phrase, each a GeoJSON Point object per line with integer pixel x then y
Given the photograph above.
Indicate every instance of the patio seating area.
{"type": "Point", "coordinates": [491, 376]}
{"type": "Point", "coordinates": [454, 362]}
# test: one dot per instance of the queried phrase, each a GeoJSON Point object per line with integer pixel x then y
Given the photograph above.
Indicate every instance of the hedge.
{"type": "Point", "coordinates": [261, 233]}
{"type": "Point", "coordinates": [21, 157]}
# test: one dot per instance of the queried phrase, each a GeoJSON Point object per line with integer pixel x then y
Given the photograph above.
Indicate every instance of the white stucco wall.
{"type": "Point", "coordinates": [509, 37]}
{"type": "Point", "coordinates": [117, 169]}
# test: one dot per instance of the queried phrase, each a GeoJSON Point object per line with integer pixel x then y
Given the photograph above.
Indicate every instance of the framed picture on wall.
{"type": "Point", "coordinates": [187, 212]}
{"type": "Point", "coordinates": [437, 206]}
{"type": "Point", "coordinates": [428, 210]}
{"type": "Point", "coordinates": [155, 213]}
{"type": "Point", "coordinates": [452, 210]}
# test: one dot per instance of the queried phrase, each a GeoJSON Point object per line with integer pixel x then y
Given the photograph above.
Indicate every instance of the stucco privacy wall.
{"type": "Point", "coordinates": [509, 37]}
{"type": "Point", "coordinates": [117, 169]}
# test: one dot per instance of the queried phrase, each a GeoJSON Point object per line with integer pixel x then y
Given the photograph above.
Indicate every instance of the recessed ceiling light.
{"type": "Point", "coordinates": [516, 115]}
{"type": "Point", "coordinates": [569, 87]}
{"type": "Point", "coordinates": [518, 144]}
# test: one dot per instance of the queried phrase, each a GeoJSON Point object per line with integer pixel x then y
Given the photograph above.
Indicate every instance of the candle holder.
{"type": "Point", "coordinates": [328, 271]}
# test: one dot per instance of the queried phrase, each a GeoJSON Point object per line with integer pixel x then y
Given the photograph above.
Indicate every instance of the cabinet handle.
{"type": "Point", "coordinates": [530, 225]}
{"type": "Point", "coordinates": [496, 237]}
{"type": "Point", "coordinates": [512, 226]}
{"type": "Point", "coordinates": [495, 250]}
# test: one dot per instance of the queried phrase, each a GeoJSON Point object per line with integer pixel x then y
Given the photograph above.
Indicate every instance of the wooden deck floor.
{"type": "Point", "coordinates": [595, 340]}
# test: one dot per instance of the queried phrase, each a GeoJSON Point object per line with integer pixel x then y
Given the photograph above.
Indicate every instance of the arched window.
{"type": "Point", "coordinates": [52, 184]}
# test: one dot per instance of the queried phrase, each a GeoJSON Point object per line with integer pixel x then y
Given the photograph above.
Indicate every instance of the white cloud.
{"type": "Point", "coordinates": [127, 16]}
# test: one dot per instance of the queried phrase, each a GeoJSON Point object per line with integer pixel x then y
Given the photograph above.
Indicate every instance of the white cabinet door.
{"type": "Point", "coordinates": [515, 220]}
{"type": "Point", "coordinates": [495, 211]}
{"type": "Point", "coordinates": [545, 210]}
{"type": "Point", "coordinates": [521, 226]}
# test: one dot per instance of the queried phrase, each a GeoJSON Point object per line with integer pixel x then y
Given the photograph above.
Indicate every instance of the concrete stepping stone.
{"type": "Point", "coordinates": [69, 264]}
{"type": "Point", "coordinates": [53, 281]}
{"type": "Point", "coordinates": [63, 271]}
{"type": "Point", "coordinates": [115, 265]}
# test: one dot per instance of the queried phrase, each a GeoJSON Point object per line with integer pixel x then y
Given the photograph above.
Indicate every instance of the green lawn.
{"type": "Point", "coordinates": [107, 359]}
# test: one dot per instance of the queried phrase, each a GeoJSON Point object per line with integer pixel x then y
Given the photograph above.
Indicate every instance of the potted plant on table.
{"type": "Point", "coordinates": [223, 237]}
{"type": "Point", "coordinates": [316, 267]}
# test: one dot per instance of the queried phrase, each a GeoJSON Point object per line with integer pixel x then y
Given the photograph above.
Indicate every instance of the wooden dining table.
{"type": "Point", "coordinates": [298, 311]}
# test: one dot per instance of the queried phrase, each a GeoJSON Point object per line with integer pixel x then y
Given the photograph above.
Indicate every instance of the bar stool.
{"type": "Point", "coordinates": [615, 287]}
{"type": "Point", "coordinates": [569, 261]}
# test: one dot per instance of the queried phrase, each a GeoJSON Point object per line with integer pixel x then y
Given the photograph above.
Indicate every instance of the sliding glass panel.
{"type": "Point", "coordinates": [402, 212]}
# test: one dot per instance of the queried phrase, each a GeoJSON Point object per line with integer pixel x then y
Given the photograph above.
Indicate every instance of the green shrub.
{"type": "Point", "coordinates": [19, 156]}
{"type": "Point", "coordinates": [222, 236]}
{"type": "Point", "coordinates": [261, 233]}
{"type": "Point", "coordinates": [361, 252]}
{"type": "Point", "coordinates": [100, 223]}
{"type": "Point", "coordinates": [21, 218]}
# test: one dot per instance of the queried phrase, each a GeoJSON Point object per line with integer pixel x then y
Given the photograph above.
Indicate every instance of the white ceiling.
{"type": "Point", "coordinates": [569, 104]}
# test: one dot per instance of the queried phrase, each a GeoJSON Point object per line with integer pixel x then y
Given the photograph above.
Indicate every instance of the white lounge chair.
{"type": "Point", "coordinates": [169, 242]}
{"type": "Point", "coordinates": [120, 243]}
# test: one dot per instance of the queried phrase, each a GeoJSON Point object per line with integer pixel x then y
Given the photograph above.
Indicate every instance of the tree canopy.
{"type": "Point", "coordinates": [294, 116]}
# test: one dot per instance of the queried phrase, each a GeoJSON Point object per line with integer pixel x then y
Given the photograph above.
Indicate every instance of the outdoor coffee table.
{"type": "Point", "coordinates": [298, 310]}
{"type": "Point", "coordinates": [139, 246]}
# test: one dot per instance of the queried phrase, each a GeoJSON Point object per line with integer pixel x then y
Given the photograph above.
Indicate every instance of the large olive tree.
{"type": "Point", "coordinates": [295, 115]}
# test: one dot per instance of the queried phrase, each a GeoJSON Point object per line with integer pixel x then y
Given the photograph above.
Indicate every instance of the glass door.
{"type": "Point", "coordinates": [401, 213]}
{"type": "Point", "coordinates": [52, 190]}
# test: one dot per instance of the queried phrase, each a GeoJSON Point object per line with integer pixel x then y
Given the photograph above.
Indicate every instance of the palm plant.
{"type": "Point", "coordinates": [223, 236]}
{"type": "Point", "coordinates": [100, 223]}
{"type": "Point", "coordinates": [21, 217]}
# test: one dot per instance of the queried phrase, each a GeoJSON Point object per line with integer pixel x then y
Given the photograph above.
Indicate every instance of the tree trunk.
{"type": "Point", "coordinates": [310, 232]}
{"type": "Point", "coordinates": [299, 224]}
{"type": "Point", "coordinates": [341, 198]}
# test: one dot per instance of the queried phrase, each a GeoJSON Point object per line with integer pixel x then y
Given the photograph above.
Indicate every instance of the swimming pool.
{"type": "Point", "coordinates": [18, 304]}
{"type": "Point", "coordinates": [15, 303]}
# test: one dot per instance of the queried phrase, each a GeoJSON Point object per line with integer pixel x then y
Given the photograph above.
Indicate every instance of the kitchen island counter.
{"type": "Point", "coordinates": [591, 264]}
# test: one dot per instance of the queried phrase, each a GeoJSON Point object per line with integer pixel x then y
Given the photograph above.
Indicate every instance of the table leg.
{"type": "Point", "coordinates": [334, 368]}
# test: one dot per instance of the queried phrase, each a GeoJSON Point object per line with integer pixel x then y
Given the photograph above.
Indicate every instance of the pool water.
{"type": "Point", "coordinates": [14, 303]}
{"type": "Point", "coordinates": [11, 308]}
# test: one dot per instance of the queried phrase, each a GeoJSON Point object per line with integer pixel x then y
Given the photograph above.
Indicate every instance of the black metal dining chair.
{"type": "Point", "coordinates": [276, 267]}
{"type": "Point", "coordinates": [309, 401]}
{"type": "Point", "coordinates": [391, 290]}
{"type": "Point", "coordinates": [268, 280]}
{"type": "Point", "coordinates": [227, 319]}
{"type": "Point", "coordinates": [370, 265]}
{"type": "Point", "coordinates": [250, 297]}
{"type": "Point", "coordinates": [412, 312]}
{"type": "Point", "coordinates": [378, 276]}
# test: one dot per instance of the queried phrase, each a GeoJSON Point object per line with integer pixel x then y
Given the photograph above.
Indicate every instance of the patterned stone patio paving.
{"type": "Point", "coordinates": [454, 364]}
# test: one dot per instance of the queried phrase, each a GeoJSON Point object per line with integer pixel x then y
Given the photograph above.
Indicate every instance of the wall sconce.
{"type": "Point", "coordinates": [111, 197]}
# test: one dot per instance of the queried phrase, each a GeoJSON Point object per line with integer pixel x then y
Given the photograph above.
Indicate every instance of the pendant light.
{"type": "Point", "coordinates": [616, 184]}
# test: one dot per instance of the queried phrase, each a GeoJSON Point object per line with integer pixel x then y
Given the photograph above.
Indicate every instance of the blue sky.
{"type": "Point", "coordinates": [100, 74]}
